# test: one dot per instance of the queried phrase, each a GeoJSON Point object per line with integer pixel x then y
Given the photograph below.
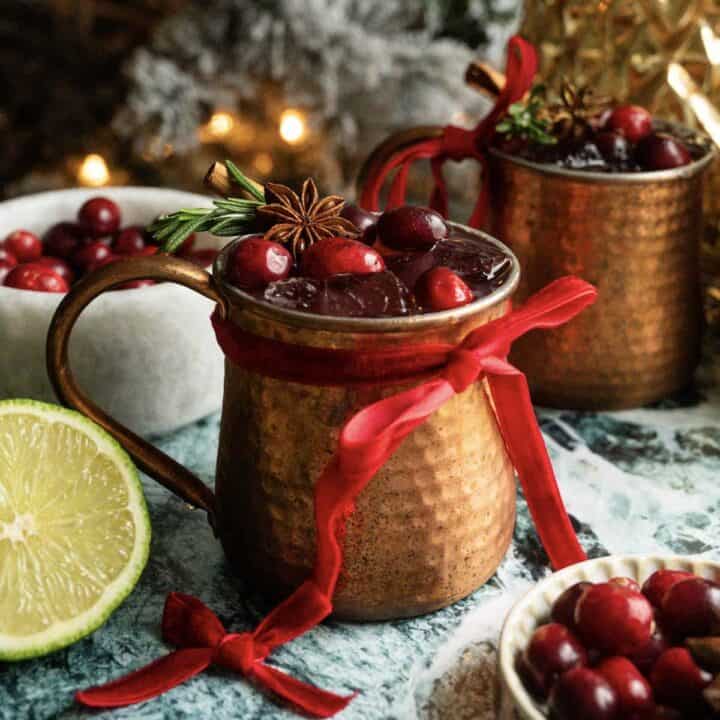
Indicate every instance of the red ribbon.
{"type": "Point", "coordinates": [456, 143]}
{"type": "Point", "coordinates": [366, 442]}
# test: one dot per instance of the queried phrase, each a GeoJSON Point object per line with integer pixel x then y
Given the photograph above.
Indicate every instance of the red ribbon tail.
{"type": "Point", "coordinates": [312, 700]}
{"type": "Point", "coordinates": [148, 682]}
{"type": "Point", "coordinates": [528, 453]}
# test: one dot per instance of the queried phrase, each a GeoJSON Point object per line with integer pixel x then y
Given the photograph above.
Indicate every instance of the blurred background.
{"type": "Point", "coordinates": [98, 92]}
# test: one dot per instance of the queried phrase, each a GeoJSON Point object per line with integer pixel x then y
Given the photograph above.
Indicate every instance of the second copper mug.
{"type": "Point", "coordinates": [429, 528]}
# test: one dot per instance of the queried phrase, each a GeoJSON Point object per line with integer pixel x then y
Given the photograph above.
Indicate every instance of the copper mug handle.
{"type": "Point", "coordinates": [149, 459]}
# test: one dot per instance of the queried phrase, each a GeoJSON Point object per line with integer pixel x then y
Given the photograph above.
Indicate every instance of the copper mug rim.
{"type": "Point", "coordinates": [630, 178]}
{"type": "Point", "coordinates": [405, 323]}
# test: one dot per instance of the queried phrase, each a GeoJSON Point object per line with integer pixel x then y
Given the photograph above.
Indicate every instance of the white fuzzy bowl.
{"type": "Point", "coordinates": [533, 609]}
{"type": "Point", "coordinates": [148, 356]}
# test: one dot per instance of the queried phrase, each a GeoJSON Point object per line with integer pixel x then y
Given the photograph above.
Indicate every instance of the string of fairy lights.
{"type": "Point", "coordinates": [223, 126]}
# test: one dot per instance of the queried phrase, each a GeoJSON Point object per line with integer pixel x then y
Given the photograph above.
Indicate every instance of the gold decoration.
{"type": "Point", "coordinates": [301, 220]}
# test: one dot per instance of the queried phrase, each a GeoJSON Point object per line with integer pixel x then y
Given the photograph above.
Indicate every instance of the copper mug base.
{"type": "Point", "coordinates": [431, 526]}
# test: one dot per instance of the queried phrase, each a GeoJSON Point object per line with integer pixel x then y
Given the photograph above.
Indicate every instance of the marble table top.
{"type": "Point", "coordinates": [638, 481]}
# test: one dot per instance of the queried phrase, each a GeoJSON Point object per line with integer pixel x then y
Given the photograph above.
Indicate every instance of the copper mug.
{"type": "Point", "coordinates": [635, 237]}
{"type": "Point", "coordinates": [431, 526]}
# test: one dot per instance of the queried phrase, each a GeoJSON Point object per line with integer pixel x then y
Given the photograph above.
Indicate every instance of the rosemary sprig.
{"type": "Point", "coordinates": [228, 217]}
{"type": "Point", "coordinates": [524, 119]}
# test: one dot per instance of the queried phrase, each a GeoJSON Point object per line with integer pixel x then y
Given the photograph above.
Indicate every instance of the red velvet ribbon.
{"type": "Point", "coordinates": [366, 442]}
{"type": "Point", "coordinates": [456, 143]}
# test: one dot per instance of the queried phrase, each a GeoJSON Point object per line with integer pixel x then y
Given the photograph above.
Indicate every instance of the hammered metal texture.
{"type": "Point", "coordinates": [431, 526]}
{"type": "Point", "coordinates": [637, 243]}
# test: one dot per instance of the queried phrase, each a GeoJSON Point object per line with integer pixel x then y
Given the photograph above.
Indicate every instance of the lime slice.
{"type": "Point", "coordinates": [74, 528]}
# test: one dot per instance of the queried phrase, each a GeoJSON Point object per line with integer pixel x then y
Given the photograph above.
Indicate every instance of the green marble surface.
{"type": "Point", "coordinates": [637, 481]}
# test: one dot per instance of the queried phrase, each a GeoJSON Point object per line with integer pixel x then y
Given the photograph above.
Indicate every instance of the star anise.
{"type": "Point", "coordinates": [572, 116]}
{"type": "Point", "coordinates": [301, 220]}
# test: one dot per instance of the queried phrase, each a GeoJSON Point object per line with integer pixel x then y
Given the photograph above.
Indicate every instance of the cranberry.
{"type": "Point", "coordinates": [109, 260]}
{"type": "Point", "coordinates": [563, 609]}
{"type": "Point", "coordinates": [409, 267]}
{"type": "Point", "coordinates": [645, 656]}
{"type": "Point", "coordinates": [129, 241]}
{"type": "Point", "coordinates": [63, 240]}
{"type": "Point", "coordinates": [202, 258]}
{"type": "Point", "coordinates": [59, 266]}
{"type": "Point", "coordinates": [633, 690]}
{"type": "Point", "coordinates": [411, 228]}
{"type": "Point", "coordinates": [5, 268]}
{"type": "Point", "coordinates": [678, 681]}
{"type": "Point", "coordinates": [583, 693]}
{"type": "Point", "coordinates": [614, 619]}
{"type": "Point", "coordinates": [552, 650]}
{"type": "Point", "coordinates": [614, 147]}
{"type": "Point", "coordinates": [625, 582]}
{"type": "Point", "coordinates": [24, 245]}
{"type": "Point", "coordinates": [361, 219]}
{"type": "Point", "coordinates": [7, 258]}
{"type": "Point", "coordinates": [99, 216]}
{"type": "Point", "coordinates": [338, 256]}
{"type": "Point", "coordinates": [32, 276]}
{"type": "Point", "coordinates": [186, 248]}
{"type": "Point", "coordinates": [149, 250]}
{"type": "Point", "coordinates": [633, 121]}
{"type": "Point", "coordinates": [257, 262]}
{"type": "Point", "coordinates": [88, 257]}
{"type": "Point", "coordinates": [691, 608]}
{"type": "Point", "coordinates": [661, 151]}
{"type": "Point", "coordinates": [441, 289]}
{"type": "Point", "coordinates": [655, 587]}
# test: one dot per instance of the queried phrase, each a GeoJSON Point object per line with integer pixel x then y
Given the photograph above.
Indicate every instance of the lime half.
{"type": "Point", "coordinates": [74, 527]}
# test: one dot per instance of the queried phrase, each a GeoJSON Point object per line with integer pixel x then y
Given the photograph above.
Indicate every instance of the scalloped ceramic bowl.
{"type": "Point", "coordinates": [533, 609]}
{"type": "Point", "coordinates": [148, 355]}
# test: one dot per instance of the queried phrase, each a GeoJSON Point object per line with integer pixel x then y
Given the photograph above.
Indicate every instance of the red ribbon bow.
{"type": "Point", "coordinates": [456, 143]}
{"type": "Point", "coordinates": [366, 442]}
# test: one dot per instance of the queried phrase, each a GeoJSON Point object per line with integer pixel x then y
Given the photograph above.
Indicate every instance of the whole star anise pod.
{"type": "Point", "coordinates": [301, 220]}
{"type": "Point", "coordinates": [572, 116]}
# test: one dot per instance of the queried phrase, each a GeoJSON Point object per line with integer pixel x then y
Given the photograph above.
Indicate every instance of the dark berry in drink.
{"type": "Point", "coordinates": [411, 228]}
{"type": "Point", "coordinates": [661, 151]}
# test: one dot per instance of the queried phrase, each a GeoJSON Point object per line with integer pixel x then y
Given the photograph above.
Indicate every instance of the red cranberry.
{"type": "Point", "coordinates": [626, 582]}
{"type": "Point", "coordinates": [5, 269]}
{"type": "Point", "coordinates": [410, 267]}
{"type": "Point", "coordinates": [24, 245]}
{"type": "Point", "coordinates": [32, 276]}
{"type": "Point", "coordinates": [441, 289]}
{"type": "Point", "coordinates": [563, 609]}
{"type": "Point", "coordinates": [109, 260]}
{"type": "Point", "coordinates": [646, 655]}
{"type": "Point", "coordinates": [7, 258]}
{"type": "Point", "coordinates": [691, 608]}
{"type": "Point", "coordinates": [613, 146]}
{"type": "Point", "coordinates": [186, 249]}
{"type": "Point", "coordinates": [411, 228]}
{"type": "Point", "coordinates": [149, 250]}
{"type": "Point", "coordinates": [59, 266]}
{"type": "Point", "coordinates": [129, 241]}
{"type": "Point", "coordinates": [89, 256]}
{"type": "Point", "coordinates": [339, 256]}
{"type": "Point", "coordinates": [361, 219]}
{"type": "Point", "coordinates": [678, 681]}
{"type": "Point", "coordinates": [614, 619]}
{"type": "Point", "coordinates": [655, 587]}
{"type": "Point", "coordinates": [583, 693]}
{"type": "Point", "coordinates": [99, 216]}
{"type": "Point", "coordinates": [633, 690]}
{"type": "Point", "coordinates": [202, 258]}
{"type": "Point", "coordinates": [661, 151]}
{"type": "Point", "coordinates": [633, 121]}
{"type": "Point", "coordinates": [63, 239]}
{"type": "Point", "coordinates": [552, 650]}
{"type": "Point", "coordinates": [257, 262]}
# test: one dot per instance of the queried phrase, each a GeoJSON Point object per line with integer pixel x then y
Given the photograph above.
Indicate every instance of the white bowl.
{"type": "Point", "coordinates": [533, 609]}
{"type": "Point", "coordinates": [148, 356]}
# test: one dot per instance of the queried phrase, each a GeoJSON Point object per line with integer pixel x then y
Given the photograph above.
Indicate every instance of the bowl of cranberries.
{"type": "Point", "coordinates": [616, 638]}
{"type": "Point", "coordinates": [145, 350]}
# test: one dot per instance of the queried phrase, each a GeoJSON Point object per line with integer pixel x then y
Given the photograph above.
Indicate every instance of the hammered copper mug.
{"type": "Point", "coordinates": [431, 526]}
{"type": "Point", "coordinates": [635, 236]}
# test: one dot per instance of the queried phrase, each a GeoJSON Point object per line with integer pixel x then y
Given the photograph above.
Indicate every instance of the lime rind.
{"type": "Point", "coordinates": [64, 633]}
